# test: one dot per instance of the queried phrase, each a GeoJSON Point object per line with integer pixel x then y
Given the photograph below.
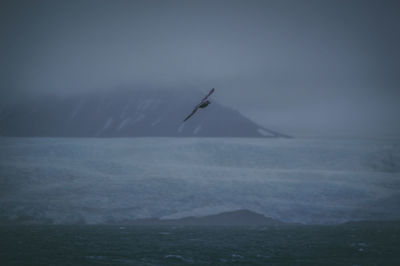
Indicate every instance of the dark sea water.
{"type": "Point", "coordinates": [372, 243]}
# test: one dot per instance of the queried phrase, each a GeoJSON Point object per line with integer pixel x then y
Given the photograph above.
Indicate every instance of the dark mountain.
{"type": "Point", "coordinates": [126, 113]}
{"type": "Point", "coordinates": [234, 218]}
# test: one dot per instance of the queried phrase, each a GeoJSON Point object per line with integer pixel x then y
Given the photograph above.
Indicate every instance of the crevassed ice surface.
{"type": "Point", "coordinates": [69, 180]}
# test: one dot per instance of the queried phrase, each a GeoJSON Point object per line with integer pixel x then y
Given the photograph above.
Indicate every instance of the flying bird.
{"type": "Point", "coordinates": [203, 104]}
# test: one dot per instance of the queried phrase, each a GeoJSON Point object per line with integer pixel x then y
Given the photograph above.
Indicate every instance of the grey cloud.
{"type": "Point", "coordinates": [267, 56]}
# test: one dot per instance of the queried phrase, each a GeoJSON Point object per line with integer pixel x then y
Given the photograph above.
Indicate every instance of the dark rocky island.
{"type": "Point", "coordinates": [233, 218]}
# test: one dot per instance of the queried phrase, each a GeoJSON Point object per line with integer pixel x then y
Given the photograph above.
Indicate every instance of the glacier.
{"type": "Point", "coordinates": [97, 180]}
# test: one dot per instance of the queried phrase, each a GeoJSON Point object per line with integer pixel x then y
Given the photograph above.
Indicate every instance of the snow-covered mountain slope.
{"type": "Point", "coordinates": [126, 113]}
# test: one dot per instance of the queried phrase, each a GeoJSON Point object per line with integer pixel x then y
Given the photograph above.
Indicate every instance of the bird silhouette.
{"type": "Point", "coordinates": [203, 104]}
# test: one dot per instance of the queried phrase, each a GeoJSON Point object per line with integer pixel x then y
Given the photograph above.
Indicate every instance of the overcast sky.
{"type": "Point", "coordinates": [307, 68]}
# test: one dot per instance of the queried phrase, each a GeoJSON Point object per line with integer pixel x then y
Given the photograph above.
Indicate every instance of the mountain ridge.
{"type": "Point", "coordinates": [126, 113]}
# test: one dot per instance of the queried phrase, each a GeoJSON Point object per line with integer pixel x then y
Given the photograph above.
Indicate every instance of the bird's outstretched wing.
{"type": "Point", "coordinates": [197, 106]}
{"type": "Point", "coordinates": [208, 95]}
{"type": "Point", "coordinates": [192, 113]}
